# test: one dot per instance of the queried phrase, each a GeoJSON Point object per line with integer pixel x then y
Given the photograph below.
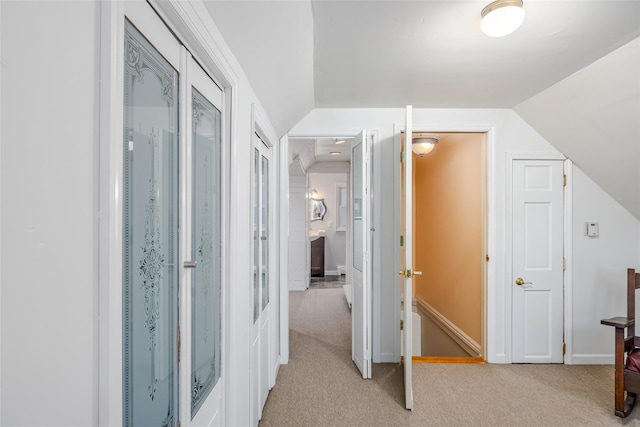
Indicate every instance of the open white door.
{"type": "Point", "coordinates": [407, 260]}
{"type": "Point", "coordinates": [360, 268]}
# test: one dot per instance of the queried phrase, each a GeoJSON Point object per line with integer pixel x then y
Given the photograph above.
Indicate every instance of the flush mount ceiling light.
{"type": "Point", "coordinates": [422, 145]}
{"type": "Point", "coordinates": [501, 17]}
{"type": "Point", "coordinates": [340, 141]}
{"type": "Point", "coordinates": [335, 153]}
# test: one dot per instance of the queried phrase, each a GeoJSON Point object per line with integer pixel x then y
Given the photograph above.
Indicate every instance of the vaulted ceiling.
{"type": "Point", "coordinates": [571, 71]}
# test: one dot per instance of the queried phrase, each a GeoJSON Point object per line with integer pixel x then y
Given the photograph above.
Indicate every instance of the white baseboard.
{"type": "Point", "coordinates": [592, 359]}
{"type": "Point", "coordinates": [276, 369]}
{"type": "Point", "coordinates": [458, 335]}
{"type": "Point", "coordinates": [297, 286]}
{"type": "Point", "coordinates": [499, 358]}
{"type": "Point", "coordinates": [331, 273]}
{"type": "Point", "coordinates": [347, 294]}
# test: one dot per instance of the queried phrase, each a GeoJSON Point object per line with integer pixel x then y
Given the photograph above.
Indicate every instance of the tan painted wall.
{"type": "Point", "coordinates": [448, 229]}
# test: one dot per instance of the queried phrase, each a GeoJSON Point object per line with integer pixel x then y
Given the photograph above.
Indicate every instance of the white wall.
{"type": "Point", "coordinates": [508, 134]}
{"type": "Point", "coordinates": [49, 225]}
{"type": "Point", "coordinates": [335, 241]}
{"type": "Point", "coordinates": [599, 268]}
{"type": "Point", "coordinates": [298, 234]}
{"type": "Point", "coordinates": [50, 178]}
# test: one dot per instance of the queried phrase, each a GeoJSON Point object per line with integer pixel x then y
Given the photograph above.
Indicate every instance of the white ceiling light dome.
{"type": "Point", "coordinates": [422, 145]}
{"type": "Point", "coordinates": [502, 17]}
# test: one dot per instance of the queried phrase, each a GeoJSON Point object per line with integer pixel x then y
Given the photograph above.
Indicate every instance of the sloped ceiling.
{"type": "Point", "coordinates": [301, 54]}
{"type": "Point", "coordinates": [273, 42]}
{"type": "Point", "coordinates": [593, 117]}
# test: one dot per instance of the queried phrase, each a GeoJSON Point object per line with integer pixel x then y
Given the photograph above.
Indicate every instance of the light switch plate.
{"type": "Point", "coordinates": [591, 229]}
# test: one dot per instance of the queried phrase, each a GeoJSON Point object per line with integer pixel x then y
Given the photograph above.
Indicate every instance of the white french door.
{"type": "Point", "coordinates": [201, 305]}
{"type": "Point", "coordinates": [361, 319]}
{"type": "Point", "coordinates": [172, 231]}
{"type": "Point", "coordinates": [261, 277]}
{"type": "Point", "coordinates": [406, 251]}
{"type": "Point", "coordinates": [150, 249]}
{"type": "Point", "coordinates": [537, 279]}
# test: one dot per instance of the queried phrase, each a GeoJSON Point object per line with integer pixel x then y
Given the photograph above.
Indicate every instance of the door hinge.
{"type": "Point", "coordinates": [402, 325]}
{"type": "Point", "coordinates": [564, 182]}
{"type": "Point", "coordinates": [401, 240]}
{"type": "Point", "coordinates": [564, 263]}
{"type": "Point", "coordinates": [402, 157]}
{"type": "Point", "coordinates": [486, 257]}
{"type": "Point", "coordinates": [564, 348]}
{"type": "Point", "coordinates": [179, 343]}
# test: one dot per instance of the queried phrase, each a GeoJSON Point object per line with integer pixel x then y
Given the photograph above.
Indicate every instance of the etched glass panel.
{"type": "Point", "coordinates": [149, 235]}
{"type": "Point", "coordinates": [205, 249]}
{"type": "Point", "coordinates": [264, 208]}
{"type": "Point", "coordinates": [358, 231]}
{"type": "Point", "coordinates": [256, 236]}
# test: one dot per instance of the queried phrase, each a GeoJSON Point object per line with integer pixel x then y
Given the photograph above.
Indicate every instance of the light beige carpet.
{"type": "Point", "coordinates": [322, 387]}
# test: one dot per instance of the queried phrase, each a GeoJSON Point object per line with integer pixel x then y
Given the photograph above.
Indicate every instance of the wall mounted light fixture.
{"type": "Point", "coordinates": [502, 17]}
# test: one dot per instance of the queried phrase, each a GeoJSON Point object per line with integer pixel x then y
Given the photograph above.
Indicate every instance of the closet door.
{"type": "Point", "coordinates": [204, 248]}
{"type": "Point", "coordinates": [261, 259]}
{"type": "Point", "coordinates": [150, 221]}
{"type": "Point", "coordinates": [174, 241]}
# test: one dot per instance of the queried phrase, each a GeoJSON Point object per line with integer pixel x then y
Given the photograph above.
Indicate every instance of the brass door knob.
{"type": "Point", "coordinates": [520, 281]}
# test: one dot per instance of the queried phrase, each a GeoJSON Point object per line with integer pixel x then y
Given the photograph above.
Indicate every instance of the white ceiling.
{"type": "Point", "coordinates": [308, 151]}
{"type": "Point", "coordinates": [301, 54]}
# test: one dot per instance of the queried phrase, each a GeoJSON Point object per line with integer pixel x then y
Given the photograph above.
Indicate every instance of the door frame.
{"type": "Point", "coordinates": [567, 249]}
{"type": "Point", "coordinates": [489, 290]}
{"type": "Point", "coordinates": [192, 33]}
{"type": "Point", "coordinates": [283, 186]}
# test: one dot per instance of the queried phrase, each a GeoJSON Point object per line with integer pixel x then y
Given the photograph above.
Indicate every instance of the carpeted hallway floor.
{"type": "Point", "coordinates": [322, 387]}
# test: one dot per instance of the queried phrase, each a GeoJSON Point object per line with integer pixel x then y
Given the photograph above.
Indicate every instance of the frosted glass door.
{"type": "Point", "coordinates": [261, 311]}
{"type": "Point", "coordinates": [150, 227]}
{"type": "Point", "coordinates": [264, 238]}
{"type": "Point", "coordinates": [206, 331]}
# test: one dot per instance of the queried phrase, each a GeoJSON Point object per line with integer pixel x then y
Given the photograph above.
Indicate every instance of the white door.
{"type": "Point", "coordinates": [407, 258]}
{"type": "Point", "coordinates": [150, 245]}
{"type": "Point", "coordinates": [537, 280]}
{"type": "Point", "coordinates": [361, 266]}
{"type": "Point", "coordinates": [261, 278]}
{"type": "Point", "coordinates": [202, 297]}
{"type": "Point", "coordinates": [173, 244]}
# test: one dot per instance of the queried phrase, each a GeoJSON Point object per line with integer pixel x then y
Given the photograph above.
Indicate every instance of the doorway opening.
{"type": "Point", "coordinates": [326, 218]}
{"type": "Point", "coordinates": [319, 240]}
{"type": "Point", "coordinates": [450, 246]}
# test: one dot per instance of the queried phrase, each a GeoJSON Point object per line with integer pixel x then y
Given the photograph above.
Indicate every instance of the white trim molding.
{"type": "Point", "coordinates": [593, 359]}
{"type": "Point", "coordinates": [568, 258]}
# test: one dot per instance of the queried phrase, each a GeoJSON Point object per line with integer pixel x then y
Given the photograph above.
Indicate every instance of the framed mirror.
{"type": "Point", "coordinates": [318, 209]}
